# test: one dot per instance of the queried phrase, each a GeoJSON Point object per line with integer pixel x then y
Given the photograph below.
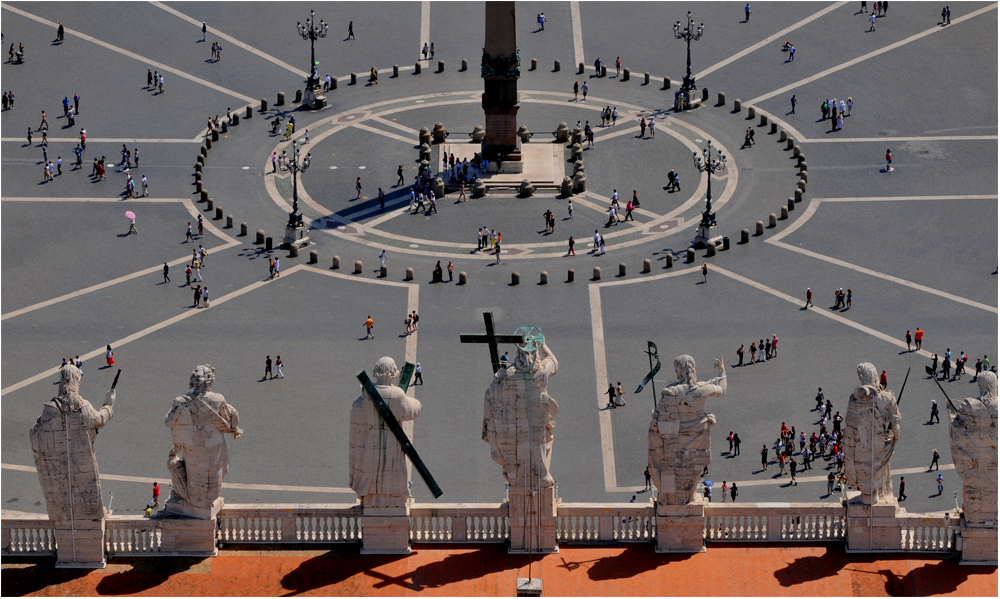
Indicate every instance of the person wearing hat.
{"type": "Point", "coordinates": [809, 298]}
{"type": "Point", "coordinates": [940, 482]}
{"type": "Point", "coordinates": [934, 462]}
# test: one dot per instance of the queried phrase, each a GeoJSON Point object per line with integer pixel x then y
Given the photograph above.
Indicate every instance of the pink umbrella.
{"type": "Point", "coordinates": [129, 214]}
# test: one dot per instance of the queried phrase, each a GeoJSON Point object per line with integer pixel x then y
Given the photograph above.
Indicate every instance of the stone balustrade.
{"type": "Point", "coordinates": [604, 523]}
{"type": "Point", "coordinates": [290, 523]}
{"type": "Point", "coordinates": [928, 532]}
{"type": "Point", "coordinates": [459, 523]}
{"type": "Point", "coordinates": [32, 536]}
{"type": "Point", "coordinates": [775, 522]}
{"type": "Point", "coordinates": [135, 536]}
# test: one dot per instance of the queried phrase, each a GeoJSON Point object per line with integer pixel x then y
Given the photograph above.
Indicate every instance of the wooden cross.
{"type": "Point", "coordinates": [492, 339]}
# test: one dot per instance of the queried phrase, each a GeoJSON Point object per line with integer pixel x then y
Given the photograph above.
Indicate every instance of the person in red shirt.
{"type": "Point", "coordinates": [156, 494]}
{"type": "Point", "coordinates": [918, 338]}
{"type": "Point", "coordinates": [884, 380]}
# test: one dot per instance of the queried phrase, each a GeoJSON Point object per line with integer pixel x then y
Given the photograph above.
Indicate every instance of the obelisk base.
{"type": "Point", "coordinates": [979, 545]}
{"type": "Point", "coordinates": [882, 532]}
{"type": "Point", "coordinates": [680, 528]}
{"type": "Point", "coordinates": [385, 530]}
{"type": "Point", "coordinates": [80, 544]}
{"type": "Point", "coordinates": [532, 520]}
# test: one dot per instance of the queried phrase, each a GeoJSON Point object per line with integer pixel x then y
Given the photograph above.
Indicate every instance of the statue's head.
{"type": "Point", "coordinates": [685, 368]}
{"type": "Point", "coordinates": [385, 370]}
{"type": "Point", "coordinates": [988, 386]}
{"type": "Point", "coordinates": [69, 380]}
{"type": "Point", "coordinates": [868, 374]}
{"type": "Point", "coordinates": [202, 378]}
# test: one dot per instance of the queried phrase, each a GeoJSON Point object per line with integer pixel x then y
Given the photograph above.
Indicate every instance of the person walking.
{"type": "Point", "coordinates": [204, 32]}
{"type": "Point", "coordinates": [451, 270]}
{"type": "Point", "coordinates": [746, 10]}
{"type": "Point", "coordinates": [131, 226]}
{"type": "Point", "coordinates": [935, 417]}
{"type": "Point", "coordinates": [576, 91]}
{"type": "Point", "coordinates": [902, 483]}
{"type": "Point", "coordinates": [909, 339]}
{"type": "Point", "coordinates": [871, 19]}
{"type": "Point", "coordinates": [156, 494]}
{"type": "Point", "coordinates": [267, 369]}
{"type": "Point", "coordinates": [934, 461]}
{"type": "Point", "coordinates": [704, 271]}
{"type": "Point", "coordinates": [793, 101]}
{"type": "Point", "coordinates": [739, 354]}
{"type": "Point", "coordinates": [418, 375]}
{"type": "Point", "coordinates": [918, 337]}
{"type": "Point", "coordinates": [571, 251]}
{"type": "Point", "coordinates": [809, 298]}
{"type": "Point", "coordinates": [357, 186]}
{"type": "Point", "coordinates": [585, 88]}
{"type": "Point", "coordinates": [734, 492]}
{"type": "Point", "coordinates": [369, 325]}
{"type": "Point", "coordinates": [763, 457]}
{"type": "Point", "coordinates": [888, 160]}
{"type": "Point", "coordinates": [611, 396]}
{"type": "Point", "coordinates": [649, 479]}
{"type": "Point", "coordinates": [166, 273]}
{"type": "Point", "coordinates": [277, 366]}
{"type": "Point", "coordinates": [736, 443]}
{"type": "Point", "coordinates": [350, 31]}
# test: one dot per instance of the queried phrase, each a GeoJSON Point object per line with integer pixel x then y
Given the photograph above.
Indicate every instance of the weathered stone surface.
{"type": "Point", "coordinates": [379, 470]}
{"type": "Point", "coordinates": [871, 431]}
{"type": "Point", "coordinates": [199, 459]}
{"type": "Point", "coordinates": [974, 450]}
{"type": "Point", "coordinates": [680, 444]}
{"type": "Point", "coordinates": [62, 440]}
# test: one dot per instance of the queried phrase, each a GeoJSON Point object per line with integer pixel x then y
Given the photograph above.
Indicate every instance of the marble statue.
{"type": "Point", "coordinates": [379, 470]}
{"type": "Point", "coordinates": [63, 443]}
{"type": "Point", "coordinates": [519, 417]}
{"type": "Point", "coordinates": [974, 450]}
{"type": "Point", "coordinates": [199, 460]}
{"type": "Point", "coordinates": [680, 442]}
{"type": "Point", "coordinates": [871, 431]}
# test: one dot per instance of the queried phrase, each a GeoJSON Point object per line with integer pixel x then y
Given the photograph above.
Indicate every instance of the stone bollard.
{"type": "Point", "coordinates": [796, 151]}
{"type": "Point", "coordinates": [395, 71]}
{"type": "Point", "coordinates": [626, 74]}
{"type": "Point", "coordinates": [354, 78]}
{"type": "Point", "coordinates": [774, 127]}
{"type": "Point", "coordinates": [383, 272]}
{"type": "Point", "coordinates": [578, 167]}
{"type": "Point", "coordinates": [439, 134]}
{"type": "Point", "coordinates": [666, 83]}
{"type": "Point", "coordinates": [515, 278]}
{"type": "Point", "coordinates": [203, 150]}
{"type": "Point", "coordinates": [200, 161]}
{"type": "Point", "coordinates": [576, 136]}
{"type": "Point", "coordinates": [745, 236]}
{"type": "Point", "coordinates": [263, 105]}
{"type": "Point", "coordinates": [597, 273]}
{"type": "Point", "coordinates": [268, 244]}
{"type": "Point", "coordinates": [197, 184]}
{"type": "Point", "coordinates": [478, 133]}
{"type": "Point", "coordinates": [463, 278]}
{"type": "Point", "coordinates": [204, 195]}
{"type": "Point", "coordinates": [249, 113]}
{"type": "Point", "coordinates": [425, 136]}
{"type": "Point", "coordinates": [772, 220]}
{"type": "Point", "coordinates": [534, 64]}
{"type": "Point", "coordinates": [229, 221]}
{"type": "Point", "coordinates": [710, 249]}
{"type": "Point", "coordinates": [243, 229]}
{"type": "Point", "coordinates": [791, 204]}
{"type": "Point", "coordinates": [690, 255]}
{"type": "Point", "coordinates": [579, 70]}
{"type": "Point", "coordinates": [783, 136]}
{"type": "Point", "coordinates": [579, 182]}
{"type": "Point", "coordinates": [751, 113]}
{"type": "Point", "coordinates": [647, 265]}
{"type": "Point", "coordinates": [335, 263]}
{"type": "Point", "coordinates": [798, 195]}
{"type": "Point", "coordinates": [225, 127]}
{"type": "Point", "coordinates": [784, 212]}
{"type": "Point", "coordinates": [804, 175]}
{"type": "Point", "coordinates": [218, 213]}
{"type": "Point", "coordinates": [763, 120]}
{"type": "Point", "coordinates": [236, 119]}
{"type": "Point", "coordinates": [567, 187]}
{"type": "Point", "coordinates": [725, 243]}
{"type": "Point", "coordinates": [313, 257]}
{"type": "Point", "coordinates": [556, 66]}
{"type": "Point", "coordinates": [527, 189]}
{"type": "Point", "coordinates": [465, 65]}
{"type": "Point", "coordinates": [281, 99]}
{"type": "Point", "coordinates": [803, 166]}
{"type": "Point", "coordinates": [298, 97]}
{"type": "Point", "coordinates": [437, 276]}
{"type": "Point", "coordinates": [333, 83]}
{"type": "Point", "coordinates": [621, 270]}
{"type": "Point", "coordinates": [801, 186]}
{"type": "Point", "coordinates": [790, 143]}
{"type": "Point", "coordinates": [215, 135]}
{"type": "Point", "coordinates": [645, 79]}
{"type": "Point", "coordinates": [561, 133]}
{"type": "Point", "coordinates": [604, 70]}
{"type": "Point", "coordinates": [416, 69]}
{"type": "Point", "coordinates": [760, 228]}
{"type": "Point", "coordinates": [722, 99]}
{"type": "Point", "coordinates": [209, 205]}
{"type": "Point", "coordinates": [260, 236]}
{"type": "Point", "coordinates": [358, 267]}
{"type": "Point", "coordinates": [197, 168]}
{"type": "Point", "coordinates": [440, 66]}
{"type": "Point", "coordinates": [425, 152]}
{"type": "Point", "coordinates": [479, 189]}
{"type": "Point", "coordinates": [208, 143]}
{"type": "Point", "coordinates": [704, 94]}
{"type": "Point", "coordinates": [577, 152]}
{"type": "Point", "coordinates": [570, 275]}
{"type": "Point", "coordinates": [293, 250]}
{"type": "Point", "coordinates": [669, 261]}
{"type": "Point", "coordinates": [737, 105]}
{"type": "Point", "coordinates": [409, 275]}
{"type": "Point", "coordinates": [543, 278]}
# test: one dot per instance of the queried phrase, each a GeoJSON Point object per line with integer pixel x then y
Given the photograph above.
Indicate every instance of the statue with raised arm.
{"type": "Point", "coordinates": [680, 442]}
{"type": "Point", "coordinates": [974, 450]}
{"type": "Point", "coordinates": [519, 417]}
{"type": "Point", "coordinates": [379, 470]}
{"type": "Point", "coordinates": [871, 431]}
{"type": "Point", "coordinates": [199, 459]}
{"type": "Point", "coordinates": [63, 443]}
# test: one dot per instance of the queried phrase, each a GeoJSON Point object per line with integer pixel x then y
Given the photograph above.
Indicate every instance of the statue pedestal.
{"type": "Point", "coordinates": [680, 528]}
{"type": "Point", "coordinates": [177, 508]}
{"type": "Point", "coordinates": [314, 99]}
{"type": "Point", "coordinates": [707, 235]}
{"type": "Point", "coordinates": [532, 520]}
{"type": "Point", "coordinates": [191, 537]}
{"type": "Point", "coordinates": [979, 545]}
{"type": "Point", "coordinates": [881, 533]}
{"type": "Point", "coordinates": [296, 236]}
{"type": "Point", "coordinates": [80, 544]}
{"type": "Point", "coordinates": [385, 530]}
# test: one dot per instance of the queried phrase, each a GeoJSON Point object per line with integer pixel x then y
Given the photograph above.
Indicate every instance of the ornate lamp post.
{"type": "Point", "coordinates": [312, 31]}
{"type": "Point", "coordinates": [688, 34]}
{"type": "Point", "coordinates": [295, 230]}
{"type": "Point", "coordinates": [706, 164]}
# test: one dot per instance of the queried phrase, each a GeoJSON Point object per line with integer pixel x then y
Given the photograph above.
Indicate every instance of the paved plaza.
{"type": "Point", "coordinates": [916, 245]}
